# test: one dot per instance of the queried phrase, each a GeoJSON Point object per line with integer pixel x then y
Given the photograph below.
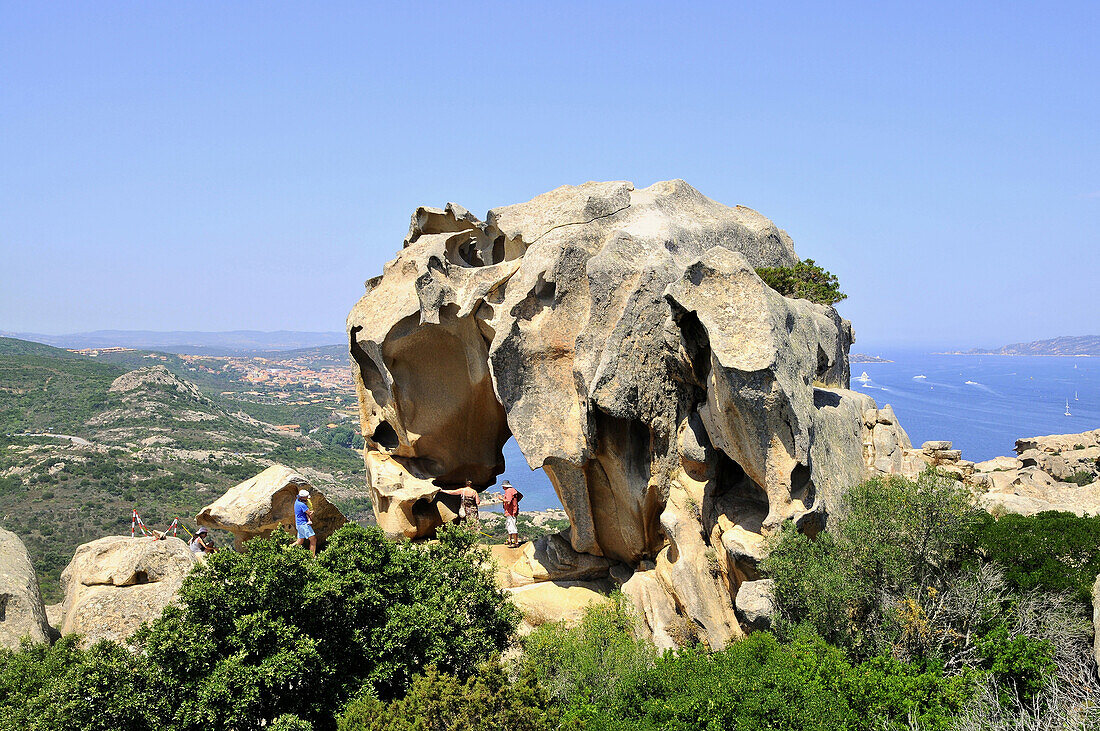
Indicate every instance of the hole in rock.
{"type": "Point", "coordinates": [735, 495]}
{"type": "Point", "coordinates": [802, 488]}
{"type": "Point", "coordinates": [538, 491]}
{"type": "Point", "coordinates": [385, 436]}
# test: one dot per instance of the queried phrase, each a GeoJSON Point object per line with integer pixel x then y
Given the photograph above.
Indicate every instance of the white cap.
{"type": "Point", "coordinates": [303, 493]}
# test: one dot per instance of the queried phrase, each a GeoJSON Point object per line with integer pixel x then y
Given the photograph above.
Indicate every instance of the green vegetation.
{"type": "Point", "coordinates": [150, 447]}
{"type": "Point", "coordinates": [1049, 552]}
{"type": "Point", "coordinates": [805, 280]}
{"type": "Point", "coordinates": [486, 701]}
{"type": "Point", "coordinates": [1082, 478]}
{"type": "Point", "coordinates": [273, 635]}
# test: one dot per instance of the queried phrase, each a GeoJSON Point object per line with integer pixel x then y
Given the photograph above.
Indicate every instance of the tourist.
{"type": "Point", "coordinates": [199, 542]}
{"type": "Point", "coordinates": [303, 520]}
{"type": "Point", "coordinates": [512, 496]}
{"type": "Point", "coordinates": [467, 507]}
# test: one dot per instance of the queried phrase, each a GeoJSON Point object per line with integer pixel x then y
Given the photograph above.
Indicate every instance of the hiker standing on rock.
{"type": "Point", "coordinates": [467, 507]}
{"type": "Point", "coordinates": [303, 520]}
{"type": "Point", "coordinates": [512, 496]}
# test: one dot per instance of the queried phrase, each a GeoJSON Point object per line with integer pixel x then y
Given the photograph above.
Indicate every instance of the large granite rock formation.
{"type": "Point", "coordinates": [22, 613]}
{"type": "Point", "coordinates": [681, 407]}
{"type": "Point", "coordinates": [262, 503]}
{"type": "Point", "coordinates": [114, 584]}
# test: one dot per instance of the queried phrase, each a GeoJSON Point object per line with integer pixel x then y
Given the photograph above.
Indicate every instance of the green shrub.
{"type": "Point", "coordinates": [273, 631]}
{"type": "Point", "coordinates": [591, 661]}
{"type": "Point", "coordinates": [891, 539]}
{"type": "Point", "coordinates": [486, 701]}
{"type": "Point", "coordinates": [103, 688]}
{"type": "Point", "coordinates": [761, 683]}
{"type": "Point", "coordinates": [805, 280]}
{"type": "Point", "coordinates": [1082, 478]}
{"type": "Point", "coordinates": [1051, 551]}
{"type": "Point", "coordinates": [1019, 664]}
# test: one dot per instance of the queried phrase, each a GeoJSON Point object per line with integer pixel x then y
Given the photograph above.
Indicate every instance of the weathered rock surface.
{"type": "Point", "coordinates": [681, 407]}
{"type": "Point", "coordinates": [1035, 480]}
{"type": "Point", "coordinates": [114, 584]}
{"type": "Point", "coordinates": [22, 613]}
{"type": "Point", "coordinates": [262, 503]}
{"type": "Point", "coordinates": [558, 601]}
{"type": "Point", "coordinates": [756, 604]}
{"type": "Point", "coordinates": [552, 558]}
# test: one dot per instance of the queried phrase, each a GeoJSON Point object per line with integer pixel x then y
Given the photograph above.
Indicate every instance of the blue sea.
{"type": "Point", "coordinates": [981, 403]}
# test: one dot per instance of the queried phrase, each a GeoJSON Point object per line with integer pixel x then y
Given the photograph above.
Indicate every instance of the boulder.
{"type": "Point", "coordinates": [655, 612]}
{"type": "Point", "coordinates": [22, 613]}
{"type": "Point", "coordinates": [936, 446]}
{"type": "Point", "coordinates": [114, 584]}
{"type": "Point", "coordinates": [756, 604]}
{"type": "Point", "coordinates": [558, 601]}
{"type": "Point", "coordinates": [998, 464]}
{"type": "Point", "coordinates": [552, 558]}
{"type": "Point", "coordinates": [262, 503]}
{"type": "Point", "coordinates": [624, 339]}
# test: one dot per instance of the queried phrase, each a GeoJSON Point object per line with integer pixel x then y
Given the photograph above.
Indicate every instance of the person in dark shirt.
{"type": "Point", "coordinates": [303, 521]}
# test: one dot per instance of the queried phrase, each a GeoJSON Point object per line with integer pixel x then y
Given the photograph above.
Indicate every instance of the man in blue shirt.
{"type": "Point", "coordinates": [303, 520]}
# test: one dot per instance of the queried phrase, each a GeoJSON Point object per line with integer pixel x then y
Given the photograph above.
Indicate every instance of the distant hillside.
{"type": "Point", "coordinates": [233, 342]}
{"type": "Point", "coordinates": [1075, 345]}
{"type": "Point", "coordinates": [145, 438]}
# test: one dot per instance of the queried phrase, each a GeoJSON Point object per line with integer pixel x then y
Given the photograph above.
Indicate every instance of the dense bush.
{"type": "Point", "coordinates": [891, 540]}
{"type": "Point", "coordinates": [805, 280]}
{"type": "Point", "coordinates": [103, 688]}
{"type": "Point", "coordinates": [274, 635]}
{"type": "Point", "coordinates": [1051, 551]}
{"type": "Point", "coordinates": [590, 661]}
{"type": "Point", "coordinates": [756, 684]}
{"type": "Point", "coordinates": [486, 701]}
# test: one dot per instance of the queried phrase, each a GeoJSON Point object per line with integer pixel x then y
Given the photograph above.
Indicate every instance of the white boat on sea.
{"type": "Point", "coordinates": [1067, 408]}
{"type": "Point", "coordinates": [920, 377]}
{"type": "Point", "coordinates": [973, 383]}
{"type": "Point", "coordinates": [863, 377]}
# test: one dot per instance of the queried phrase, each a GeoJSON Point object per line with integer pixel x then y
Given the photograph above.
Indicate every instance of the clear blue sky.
{"type": "Point", "coordinates": [217, 166]}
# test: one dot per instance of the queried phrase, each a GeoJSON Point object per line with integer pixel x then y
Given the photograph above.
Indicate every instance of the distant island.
{"type": "Point", "coordinates": [864, 358]}
{"type": "Point", "coordinates": [1080, 345]}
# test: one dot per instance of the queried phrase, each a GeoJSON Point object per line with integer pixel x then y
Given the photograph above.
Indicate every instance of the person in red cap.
{"type": "Point", "coordinates": [512, 496]}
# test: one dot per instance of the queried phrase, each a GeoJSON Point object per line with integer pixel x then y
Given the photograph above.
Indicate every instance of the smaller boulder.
{"type": "Point", "coordinates": [756, 604]}
{"type": "Point", "coordinates": [262, 503]}
{"type": "Point", "coordinates": [22, 613]}
{"type": "Point", "coordinates": [114, 584]}
{"type": "Point", "coordinates": [552, 558]}
{"type": "Point", "coordinates": [554, 601]}
{"type": "Point", "coordinates": [936, 446]}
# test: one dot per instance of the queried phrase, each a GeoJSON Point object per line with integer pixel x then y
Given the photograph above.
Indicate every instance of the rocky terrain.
{"type": "Point", "coordinates": [1056, 472]}
{"type": "Point", "coordinates": [87, 441]}
{"type": "Point", "coordinates": [681, 407]}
